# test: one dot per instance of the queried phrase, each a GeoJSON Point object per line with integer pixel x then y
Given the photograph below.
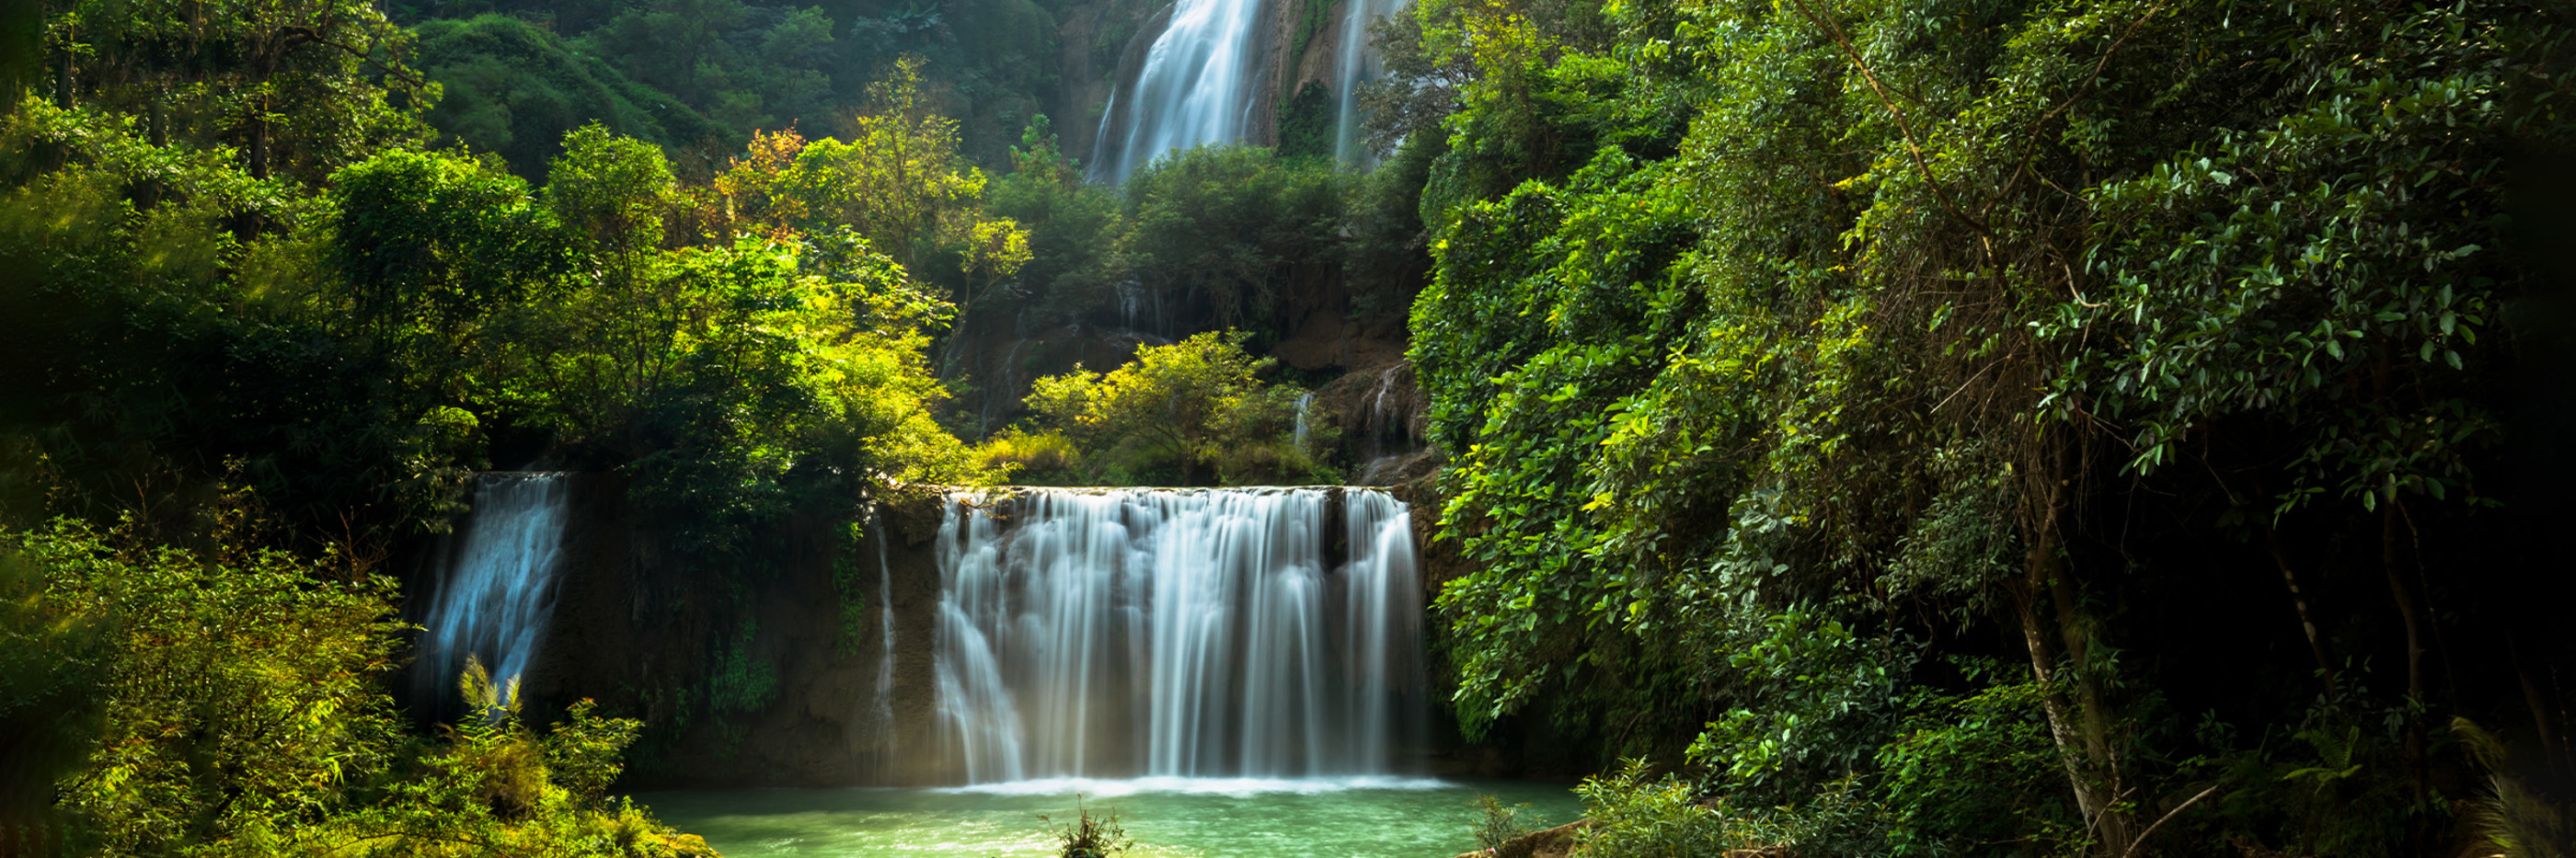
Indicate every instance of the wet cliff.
{"type": "Point", "coordinates": [783, 666]}
{"type": "Point", "coordinates": [772, 668]}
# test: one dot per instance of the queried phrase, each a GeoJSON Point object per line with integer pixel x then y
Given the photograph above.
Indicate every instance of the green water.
{"type": "Point", "coordinates": [1352, 818]}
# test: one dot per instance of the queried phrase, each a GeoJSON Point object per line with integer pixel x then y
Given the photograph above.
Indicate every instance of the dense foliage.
{"type": "Point", "coordinates": [1928, 427]}
{"type": "Point", "coordinates": [230, 703]}
{"type": "Point", "coordinates": [355, 347]}
{"type": "Point", "coordinates": [236, 269]}
{"type": "Point", "coordinates": [701, 75]}
{"type": "Point", "coordinates": [1863, 389]}
{"type": "Point", "coordinates": [513, 88]}
{"type": "Point", "coordinates": [1173, 410]}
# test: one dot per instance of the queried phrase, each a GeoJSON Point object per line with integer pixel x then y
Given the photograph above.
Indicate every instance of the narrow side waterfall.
{"type": "Point", "coordinates": [1195, 88]}
{"type": "Point", "coordinates": [883, 711]}
{"type": "Point", "coordinates": [1297, 434]}
{"type": "Point", "coordinates": [498, 587]}
{"type": "Point", "coordinates": [1189, 633]}
{"type": "Point", "coordinates": [1357, 63]}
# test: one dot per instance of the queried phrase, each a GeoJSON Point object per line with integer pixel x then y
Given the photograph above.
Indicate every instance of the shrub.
{"type": "Point", "coordinates": [1039, 457]}
{"type": "Point", "coordinates": [237, 710]}
{"type": "Point", "coordinates": [1093, 837]}
{"type": "Point", "coordinates": [1644, 817]}
{"type": "Point", "coordinates": [1503, 823]}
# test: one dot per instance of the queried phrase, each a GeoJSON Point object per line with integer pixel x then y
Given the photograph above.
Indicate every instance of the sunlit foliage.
{"type": "Point", "coordinates": [1186, 406]}
{"type": "Point", "coordinates": [238, 711]}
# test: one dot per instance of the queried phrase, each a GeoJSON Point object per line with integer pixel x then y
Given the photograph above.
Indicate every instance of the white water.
{"type": "Point", "coordinates": [1358, 64]}
{"type": "Point", "coordinates": [1298, 435]}
{"type": "Point", "coordinates": [499, 587]}
{"type": "Point", "coordinates": [883, 711]}
{"type": "Point", "coordinates": [1195, 88]}
{"type": "Point", "coordinates": [1176, 634]}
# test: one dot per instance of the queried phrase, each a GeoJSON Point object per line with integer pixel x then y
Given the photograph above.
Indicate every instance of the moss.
{"type": "Point", "coordinates": [1312, 18]}
{"type": "Point", "coordinates": [741, 681]}
{"type": "Point", "coordinates": [848, 571]}
{"type": "Point", "coordinates": [1306, 123]}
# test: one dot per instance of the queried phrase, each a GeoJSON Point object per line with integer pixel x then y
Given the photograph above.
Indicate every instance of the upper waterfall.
{"type": "Point", "coordinates": [1196, 88]}
{"type": "Point", "coordinates": [1194, 632]}
{"type": "Point", "coordinates": [497, 587]}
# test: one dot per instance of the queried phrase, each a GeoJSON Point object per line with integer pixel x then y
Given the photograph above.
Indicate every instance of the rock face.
{"type": "Point", "coordinates": [1102, 45]}
{"type": "Point", "coordinates": [762, 671]}
{"type": "Point", "coordinates": [776, 669]}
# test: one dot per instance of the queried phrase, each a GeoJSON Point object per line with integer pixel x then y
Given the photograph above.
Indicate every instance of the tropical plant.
{"type": "Point", "coordinates": [1499, 823]}
{"type": "Point", "coordinates": [1190, 403]}
{"type": "Point", "coordinates": [1092, 836]}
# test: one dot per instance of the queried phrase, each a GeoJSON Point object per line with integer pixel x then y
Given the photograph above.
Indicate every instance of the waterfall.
{"type": "Point", "coordinates": [883, 711]}
{"type": "Point", "coordinates": [1297, 435]}
{"type": "Point", "coordinates": [1196, 88]}
{"type": "Point", "coordinates": [1384, 620]}
{"type": "Point", "coordinates": [498, 589]}
{"type": "Point", "coordinates": [1189, 633]}
{"type": "Point", "coordinates": [1358, 64]}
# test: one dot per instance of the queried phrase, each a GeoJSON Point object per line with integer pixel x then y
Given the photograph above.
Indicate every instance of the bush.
{"type": "Point", "coordinates": [1093, 837]}
{"type": "Point", "coordinates": [1503, 824]}
{"type": "Point", "coordinates": [1645, 817]}
{"type": "Point", "coordinates": [1978, 769]}
{"type": "Point", "coordinates": [238, 710]}
{"type": "Point", "coordinates": [1031, 457]}
{"type": "Point", "coordinates": [1192, 403]}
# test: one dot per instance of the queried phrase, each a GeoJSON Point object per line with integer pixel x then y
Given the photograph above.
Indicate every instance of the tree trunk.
{"type": "Point", "coordinates": [2299, 602]}
{"type": "Point", "coordinates": [2405, 598]}
{"type": "Point", "coordinates": [2084, 735]}
{"type": "Point", "coordinates": [2061, 729]}
{"type": "Point", "coordinates": [259, 144]}
{"type": "Point", "coordinates": [2539, 709]}
{"type": "Point", "coordinates": [2413, 754]}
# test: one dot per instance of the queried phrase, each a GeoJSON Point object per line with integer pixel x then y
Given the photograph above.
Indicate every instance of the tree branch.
{"type": "Point", "coordinates": [1904, 128]}
{"type": "Point", "coordinates": [2161, 820]}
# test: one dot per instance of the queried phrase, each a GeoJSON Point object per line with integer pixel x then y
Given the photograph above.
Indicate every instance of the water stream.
{"type": "Point", "coordinates": [1297, 435]}
{"type": "Point", "coordinates": [883, 710]}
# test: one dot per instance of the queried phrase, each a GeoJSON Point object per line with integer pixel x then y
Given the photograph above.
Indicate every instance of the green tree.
{"type": "Point", "coordinates": [899, 181]}
{"type": "Point", "coordinates": [513, 88]}
{"type": "Point", "coordinates": [241, 710]}
{"type": "Point", "coordinates": [1070, 269]}
{"type": "Point", "coordinates": [1188, 402]}
{"type": "Point", "coordinates": [1916, 309]}
{"type": "Point", "coordinates": [294, 88]}
{"type": "Point", "coordinates": [1231, 223]}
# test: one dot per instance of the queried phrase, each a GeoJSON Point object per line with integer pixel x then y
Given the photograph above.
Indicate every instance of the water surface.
{"type": "Point", "coordinates": [1366, 817]}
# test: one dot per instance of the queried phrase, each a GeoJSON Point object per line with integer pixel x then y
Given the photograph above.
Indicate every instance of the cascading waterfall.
{"type": "Point", "coordinates": [883, 711]}
{"type": "Point", "coordinates": [1190, 633]}
{"type": "Point", "coordinates": [1297, 435]}
{"type": "Point", "coordinates": [1195, 88]}
{"type": "Point", "coordinates": [1358, 63]}
{"type": "Point", "coordinates": [1382, 625]}
{"type": "Point", "coordinates": [499, 585]}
